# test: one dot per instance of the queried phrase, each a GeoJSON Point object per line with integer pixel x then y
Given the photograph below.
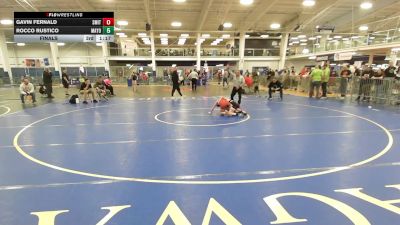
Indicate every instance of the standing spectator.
{"type": "Point", "coordinates": [345, 74]}
{"type": "Point", "coordinates": [48, 82]}
{"type": "Point", "coordinates": [134, 81]}
{"type": "Point", "coordinates": [225, 78]}
{"type": "Point", "coordinates": [26, 89]}
{"type": "Point", "coordinates": [238, 83]}
{"type": "Point", "coordinates": [390, 72]}
{"type": "Point", "coordinates": [316, 77]}
{"type": "Point", "coordinates": [193, 76]}
{"type": "Point", "coordinates": [326, 73]}
{"type": "Point", "coordinates": [256, 82]}
{"type": "Point", "coordinates": [65, 81]}
{"type": "Point", "coordinates": [378, 81]}
{"type": "Point", "coordinates": [365, 83]}
{"type": "Point", "coordinates": [175, 82]}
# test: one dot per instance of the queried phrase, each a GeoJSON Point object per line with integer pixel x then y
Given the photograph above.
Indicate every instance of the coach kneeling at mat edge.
{"type": "Point", "coordinates": [238, 83]}
{"type": "Point", "coordinates": [26, 89]}
{"type": "Point", "coordinates": [275, 85]}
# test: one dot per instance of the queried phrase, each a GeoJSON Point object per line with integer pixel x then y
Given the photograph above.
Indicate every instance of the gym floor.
{"type": "Point", "coordinates": [145, 159]}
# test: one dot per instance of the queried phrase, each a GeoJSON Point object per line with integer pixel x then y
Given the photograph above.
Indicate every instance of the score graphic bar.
{"type": "Point", "coordinates": [64, 26]}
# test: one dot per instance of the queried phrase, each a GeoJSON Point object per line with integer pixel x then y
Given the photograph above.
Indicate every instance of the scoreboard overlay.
{"type": "Point", "coordinates": [63, 26]}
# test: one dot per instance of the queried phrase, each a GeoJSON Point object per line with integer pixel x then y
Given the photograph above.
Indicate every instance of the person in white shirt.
{"type": "Point", "coordinates": [27, 89]}
{"type": "Point", "coordinates": [193, 76]}
{"type": "Point", "coordinates": [238, 83]}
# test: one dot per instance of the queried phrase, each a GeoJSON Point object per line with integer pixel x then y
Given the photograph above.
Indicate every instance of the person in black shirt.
{"type": "Point", "coordinates": [390, 72]}
{"type": "Point", "coordinates": [65, 81]}
{"type": "Point", "coordinates": [365, 83]}
{"type": "Point", "coordinates": [274, 86]}
{"type": "Point", "coordinates": [48, 82]}
{"type": "Point", "coordinates": [86, 89]}
{"type": "Point", "coordinates": [175, 81]}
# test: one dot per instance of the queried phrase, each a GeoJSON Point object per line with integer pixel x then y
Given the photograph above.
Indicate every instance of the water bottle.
{"type": "Point", "coordinates": [77, 100]}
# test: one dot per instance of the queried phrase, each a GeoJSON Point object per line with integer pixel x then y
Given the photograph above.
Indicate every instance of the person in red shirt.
{"type": "Point", "coordinates": [228, 107]}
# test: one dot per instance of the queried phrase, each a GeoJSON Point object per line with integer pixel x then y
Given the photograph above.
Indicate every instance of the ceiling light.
{"type": "Point", "coordinates": [163, 35]}
{"type": "Point", "coordinates": [164, 39]}
{"type": "Point", "coordinates": [303, 40]}
{"type": "Point", "coordinates": [363, 28]}
{"type": "Point", "coordinates": [303, 44]}
{"type": "Point", "coordinates": [296, 42]}
{"type": "Point", "coordinates": [10, 42]}
{"type": "Point", "coordinates": [60, 44]}
{"type": "Point", "coordinates": [21, 44]}
{"type": "Point", "coordinates": [117, 28]}
{"type": "Point", "coordinates": [306, 51]}
{"type": "Point", "coordinates": [246, 2]}
{"type": "Point", "coordinates": [388, 38]}
{"type": "Point", "coordinates": [290, 44]}
{"type": "Point", "coordinates": [372, 38]}
{"type": "Point", "coordinates": [317, 44]}
{"type": "Point", "coordinates": [176, 24]}
{"type": "Point", "coordinates": [6, 22]}
{"type": "Point", "coordinates": [122, 22]}
{"type": "Point", "coordinates": [123, 36]}
{"type": "Point", "coordinates": [264, 36]}
{"type": "Point", "coordinates": [275, 26]}
{"type": "Point", "coordinates": [312, 38]}
{"type": "Point", "coordinates": [142, 34]}
{"type": "Point", "coordinates": [206, 35]}
{"type": "Point", "coordinates": [302, 36]}
{"type": "Point", "coordinates": [119, 34]}
{"type": "Point", "coordinates": [345, 39]}
{"type": "Point", "coordinates": [330, 39]}
{"type": "Point", "coordinates": [294, 38]}
{"type": "Point", "coordinates": [213, 43]}
{"type": "Point", "coordinates": [337, 37]}
{"type": "Point", "coordinates": [226, 36]}
{"type": "Point", "coordinates": [219, 39]}
{"type": "Point", "coordinates": [99, 44]}
{"type": "Point", "coordinates": [309, 3]}
{"type": "Point", "coordinates": [179, 1]}
{"type": "Point", "coordinates": [319, 36]}
{"type": "Point", "coordinates": [366, 5]}
{"type": "Point", "coordinates": [312, 57]}
{"type": "Point", "coordinates": [185, 35]}
{"type": "Point", "coordinates": [228, 25]}
{"type": "Point", "coordinates": [355, 37]}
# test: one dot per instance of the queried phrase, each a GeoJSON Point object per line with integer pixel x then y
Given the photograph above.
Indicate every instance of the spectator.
{"type": "Point", "coordinates": [316, 78]}
{"type": "Point", "coordinates": [225, 78]}
{"type": "Point", "coordinates": [100, 87]}
{"type": "Point", "coordinates": [193, 76]}
{"type": "Point", "coordinates": [175, 82]}
{"type": "Point", "coordinates": [274, 86]}
{"type": "Point", "coordinates": [107, 83]}
{"type": "Point", "coordinates": [86, 89]}
{"type": "Point", "coordinates": [365, 83]}
{"type": "Point", "coordinates": [26, 89]}
{"type": "Point", "coordinates": [48, 82]}
{"type": "Point", "coordinates": [134, 81]}
{"type": "Point", "coordinates": [256, 82]}
{"type": "Point", "coordinates": [326, 73]}
{"type": "Point", "coordinates": [65, 81]}
{"type": "Point", "coordinates": [390, 72]}
{"type": "Point", "coordinates": [345, 74]}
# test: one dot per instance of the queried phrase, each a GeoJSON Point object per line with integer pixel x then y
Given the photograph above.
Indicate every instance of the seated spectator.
{"type": "Point", "coordinates": [275, 86]}
{"type": "Point", "coordinates": [86, 89]}
{"type": "Point", "coordinates": [107, 82]}
{"type": "Point", "coordinates": [26, 90]}
{"type": "Point", "coordinates": [100, 87]}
